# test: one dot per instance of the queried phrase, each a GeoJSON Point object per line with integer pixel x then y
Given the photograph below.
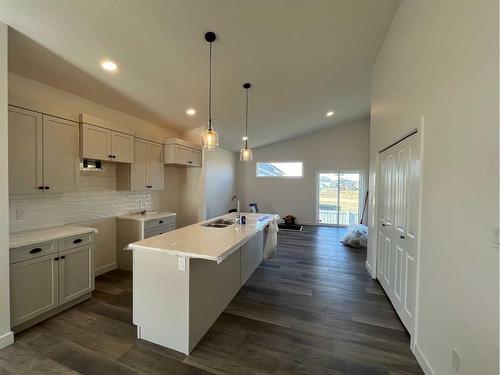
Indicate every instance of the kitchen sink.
{"type": "Point", "coordinates": [219, 223]}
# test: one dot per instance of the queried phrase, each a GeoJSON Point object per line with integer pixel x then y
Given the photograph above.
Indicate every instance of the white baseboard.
{"type": "Point", "coordinates": [102, 270]}
{"type": "Point", "coordinates": [370, 270]}
{"type": "Point", "coordinates": [423, 362]}
{"type": "Point", "coordinates": [6, 339]}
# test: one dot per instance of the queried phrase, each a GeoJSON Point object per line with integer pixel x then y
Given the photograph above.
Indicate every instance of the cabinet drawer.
{"type": "Point", "coordinates": [76, 241]}
{"type": "Point", "coordinates": [150, 224]}
{"type": "Point", "coordinates": [32, 251]}
{"type": "Point", "coordinates": [159, 230]}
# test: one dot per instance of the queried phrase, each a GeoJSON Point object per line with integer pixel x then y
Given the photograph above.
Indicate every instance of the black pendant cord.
{"type": "Point", "coordinates": [210, 89]}
{"type": "Point", "coordinates": [246, 122]}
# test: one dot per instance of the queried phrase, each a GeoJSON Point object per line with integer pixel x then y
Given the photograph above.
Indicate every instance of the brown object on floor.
{"type": "Point", "coordinates": [311, 310]}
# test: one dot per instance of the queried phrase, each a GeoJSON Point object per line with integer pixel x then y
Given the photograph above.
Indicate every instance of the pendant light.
{"type": "Point", "coordinates": [246, 153]}
{"type": "Point", "coordinates": [209, 137]}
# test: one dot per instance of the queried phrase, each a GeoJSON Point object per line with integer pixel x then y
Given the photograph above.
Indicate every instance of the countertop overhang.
{"type": "Point", "coordinates": [198, 241]}
{"type": "Point", "coordinates": [34, 236]}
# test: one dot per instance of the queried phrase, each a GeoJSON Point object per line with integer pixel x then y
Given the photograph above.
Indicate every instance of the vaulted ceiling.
{"type": "Point", "coordinates": [304, 58]}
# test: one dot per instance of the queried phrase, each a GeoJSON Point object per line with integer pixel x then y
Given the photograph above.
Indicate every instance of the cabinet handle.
{"type": "Point", "coordinates": [35, 250]}
{"type": "Point", "coordinates": [46, 187]}
{"type": "Point", "coordinates": [64, 256]}
{"type": "Point", "coordinates": [190, 162]}
{"type": "Point", "coordinates": [384, 225]}
{"type": "Point", "coordinates": [110, 156]}
{"type": "Point", "coordinates": [114, 156]}
{"type": "Point", "coordinates": [40, 187]}
{"type": "Point", "coordinates": [78, 240]}
{"type": "Point", "coordinates": [56, 259]}
{"type": "Point", "coordinates": [402, 237]}
{"type": "Point", "coordinates": [161, 222]}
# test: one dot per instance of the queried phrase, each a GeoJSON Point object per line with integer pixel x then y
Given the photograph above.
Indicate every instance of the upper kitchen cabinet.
{"type": "Point", "coordinates": [43, 152]}
{"type": "Point", "coordinates": [102, 140]}
{"type": "Point", "coordinates": [146, 173]}
{"type": "Point", "coordinates": [179, 152]}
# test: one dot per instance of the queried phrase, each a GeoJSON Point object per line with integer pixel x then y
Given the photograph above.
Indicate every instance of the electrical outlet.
{"type": "Point", "coordinates": [455, 360]}
{"type": "Point", "coordinates": [20, 215]}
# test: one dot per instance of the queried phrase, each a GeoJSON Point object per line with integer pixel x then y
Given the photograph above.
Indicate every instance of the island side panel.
{"type": "Point", "coordinates": [252, 254]}
{"type": "Point", "coordinates": [161, 299]}
{"type": "Point", "coordinates": [212, 287]}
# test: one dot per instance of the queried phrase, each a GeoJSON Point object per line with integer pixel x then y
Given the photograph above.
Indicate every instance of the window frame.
{"type": "Point", "coordinates": [280, 177]}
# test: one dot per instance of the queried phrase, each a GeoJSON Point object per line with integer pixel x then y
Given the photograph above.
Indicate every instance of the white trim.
{"type": "Point", "coordinates": [370, 270]}
{"type": "Point", "coordinates": [423, 361]}
{"type": "Point", "coordinates": [6, 339]}
{"type": "Point", "coordinates": [102, 270]}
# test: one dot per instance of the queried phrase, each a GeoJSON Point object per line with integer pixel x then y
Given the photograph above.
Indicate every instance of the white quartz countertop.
{"type": "Point", "coordinates": [197, 241]}
{"type": "Point", "coordinates": [147, 216]}
{"type": "Point", "coordinates": [31, 237]}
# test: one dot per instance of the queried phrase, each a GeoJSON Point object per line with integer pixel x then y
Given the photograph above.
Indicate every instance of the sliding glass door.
{"type": "Point", "coordinates": [338, 198]}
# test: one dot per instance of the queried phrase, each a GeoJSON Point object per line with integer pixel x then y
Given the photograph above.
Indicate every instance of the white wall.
{"type": "Point", "coordinates": [6, 336]}
{"type": "Point", "coordinates": [344, 147]}
{"type": "Point", "coordinates": [440, 61]}
{"type": "Point", "coordinates": [220, 181]}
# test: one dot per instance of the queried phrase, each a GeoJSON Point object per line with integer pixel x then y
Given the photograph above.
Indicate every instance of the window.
{"type": "Point", "coordinates": [283, 169]}
{"type": "Point", "coordinates": [338, 201]}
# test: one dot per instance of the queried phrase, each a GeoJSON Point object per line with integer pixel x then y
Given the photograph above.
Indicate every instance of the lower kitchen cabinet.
{"type": "Point", "coordinates": [34, 288]}
{"type": "Point", "coordinates": [75, 273]}
{"type": "Point", "coordinates": [46, 277]}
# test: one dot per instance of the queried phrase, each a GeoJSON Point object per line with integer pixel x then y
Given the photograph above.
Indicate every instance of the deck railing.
{"type": "Point", "coordinates": [330, 217]}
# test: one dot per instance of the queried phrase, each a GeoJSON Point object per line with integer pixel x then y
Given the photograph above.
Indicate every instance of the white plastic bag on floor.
{"type": "Point", "coordinates": [272, 240]}
{"type": "Point", "coordinates": [356, 236]}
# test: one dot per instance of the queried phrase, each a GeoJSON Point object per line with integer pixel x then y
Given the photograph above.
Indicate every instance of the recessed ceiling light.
{"type": "Point", "coordinates": [244, 138]}
{"type": "Point", "coordinates": [109, 65]}
{"type": "Point", "coordinates": [191, 111]}
{"type": "Point", "coordinates": [330, 114]}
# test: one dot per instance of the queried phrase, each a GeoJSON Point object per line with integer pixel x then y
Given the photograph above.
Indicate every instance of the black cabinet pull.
{"type": "Point", "coordinates": [402, 237]}
{"type": "Point", "coordinates": [35, 250]}
{"type": "Point", "coordinates": [114, 156]}
{"type": "Point", "coordinates": [384, 225]}
{"type": "Point", "coordinates": [47, 187]}
{"type": "Point", "coordinates": [161, 222]}
{"type": "Point", "coordinates": [64, 256]}
{"type": "Point", "coordinates": [190, 162]}
{"type": "Point", "coordinates": [110, 156]}
{"type": "Point", "coordinates": [40, 187]}
{"type": "Point", "coordinates": [56, 259]}
{"type": "Point", "coordinates": [78, 240]}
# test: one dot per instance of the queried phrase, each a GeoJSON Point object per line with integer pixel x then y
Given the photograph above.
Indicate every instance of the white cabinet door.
{"type": "Point", "coordinates": [194, 158]}
{"type": "Point", "coordinates": [139, 168]}
{"type": "Point", "coordinates": [182, 155]}
{"type": "Point", "coordinates": [25, 151]}
{"type": "Point", "coordinates": [122, 147]}
{"type": "Point", "coordinates": [60, 154]}
{"type": "Point", "coordinates": [33, 288]}
{"type": "Point", "coordinates": [397, 226]}
{"type": "Point", "coordinates": [96, 142]}
{"type": "Point", "coordinates": [155, 166]}
{"type": "Point", "coordinates": [76, 273]}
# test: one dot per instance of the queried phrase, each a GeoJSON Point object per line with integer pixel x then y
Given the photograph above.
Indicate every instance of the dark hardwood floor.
{"type": "Point", "coordinates": [311, 310]}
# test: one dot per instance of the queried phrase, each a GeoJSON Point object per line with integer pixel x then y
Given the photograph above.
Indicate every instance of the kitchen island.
{"type": "Point", "coordinates": [184, 279]}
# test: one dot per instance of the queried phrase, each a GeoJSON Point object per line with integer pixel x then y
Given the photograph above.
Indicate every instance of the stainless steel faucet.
{"type": "Point", "coordinates": [237, 206]}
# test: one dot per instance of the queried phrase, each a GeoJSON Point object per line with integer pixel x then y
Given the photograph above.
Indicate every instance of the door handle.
{"type": "Point", "coordinates": [35, 250]}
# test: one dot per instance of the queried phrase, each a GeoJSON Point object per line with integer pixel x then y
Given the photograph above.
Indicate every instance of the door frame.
{"type": "Point", "coordinates": [362, 189]}
{"type": "Point", "coordinates": [417, 127]}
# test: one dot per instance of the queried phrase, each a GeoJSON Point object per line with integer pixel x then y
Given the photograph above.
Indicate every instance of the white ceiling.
{"type": "Point", "coordinates": [303, 57]}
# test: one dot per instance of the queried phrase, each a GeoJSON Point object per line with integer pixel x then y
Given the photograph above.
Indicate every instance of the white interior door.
{"type": "Point", "coordinates": [397, 226]}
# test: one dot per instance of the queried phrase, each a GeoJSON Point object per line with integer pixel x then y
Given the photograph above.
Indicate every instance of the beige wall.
{"type": "Point", "coordinates": [6, 336]}
{"type": "Point", "coordinates": [344, 147]}
{"type": "Point", "coordinates": [220, 181]}
{"type": "Point", "coordinates": [440, 61]}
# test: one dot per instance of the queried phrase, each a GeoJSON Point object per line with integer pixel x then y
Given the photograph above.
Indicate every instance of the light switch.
{"type": "Point", "coordinates": [181, 263]}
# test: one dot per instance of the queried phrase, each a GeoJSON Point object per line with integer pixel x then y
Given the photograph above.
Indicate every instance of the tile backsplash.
{"type": "Point", "coordinates": [96, 199]}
